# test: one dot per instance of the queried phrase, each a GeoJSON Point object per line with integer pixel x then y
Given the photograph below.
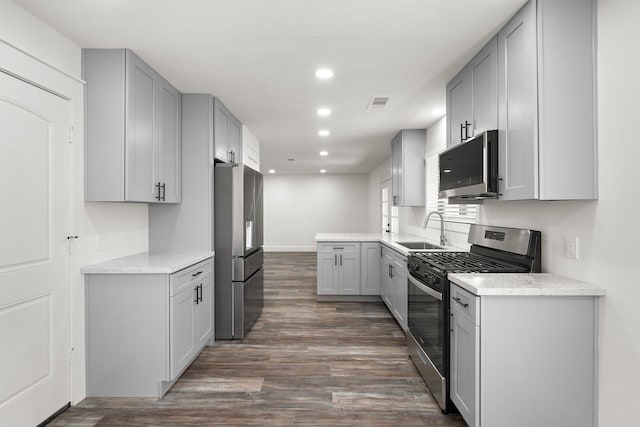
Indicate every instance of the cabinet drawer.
{"type": "Point", "coordinates": [184, 278]}
{"type": "Point", "coordinates": [465, 303]}
{"type": "Point", "coordinates": [338, 247]}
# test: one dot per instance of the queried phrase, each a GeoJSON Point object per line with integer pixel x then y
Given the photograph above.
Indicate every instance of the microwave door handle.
{"type": "Point", "coordinates": [485, 159]}
{"type": "Point", "coordinates": [425, 289]}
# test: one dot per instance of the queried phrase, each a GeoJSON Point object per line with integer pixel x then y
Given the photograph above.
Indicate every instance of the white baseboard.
{"type": "Point", "coordinates": [268, 248]}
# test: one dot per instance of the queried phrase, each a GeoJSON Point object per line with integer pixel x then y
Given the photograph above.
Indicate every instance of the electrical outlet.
{"type": "Point", "coordinates": [99, 243]}
{"type": "Point", "coordinates": [571, 248]}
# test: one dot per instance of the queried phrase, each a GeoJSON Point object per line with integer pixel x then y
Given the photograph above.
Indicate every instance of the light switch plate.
{"type": "Point", "coordinates": [571, 248]}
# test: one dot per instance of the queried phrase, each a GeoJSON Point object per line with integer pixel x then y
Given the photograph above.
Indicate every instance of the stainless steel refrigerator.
{"type": "Point", "coordinates": [239, 274]}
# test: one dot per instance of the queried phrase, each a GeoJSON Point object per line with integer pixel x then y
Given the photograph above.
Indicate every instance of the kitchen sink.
{"type": "Point", "coordinates": [419, 245]}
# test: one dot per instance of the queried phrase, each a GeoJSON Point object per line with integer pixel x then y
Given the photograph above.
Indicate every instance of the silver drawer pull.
{"type": "Point", "coordinates": [456, 299]}
{"type": "Point", "coordinates": [196, 274]}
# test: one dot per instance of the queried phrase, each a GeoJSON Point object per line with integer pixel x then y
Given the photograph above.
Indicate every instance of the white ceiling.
{"type": "Point", "coordinates": [259, 58]}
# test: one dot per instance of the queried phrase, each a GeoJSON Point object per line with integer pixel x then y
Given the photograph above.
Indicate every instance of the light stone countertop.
{"type": "Point", "coordinates": [523, 284]}
{"type": "Point", "coordinates": [146, 263]}
{"type": "Point", "coordinates": [388, 239]}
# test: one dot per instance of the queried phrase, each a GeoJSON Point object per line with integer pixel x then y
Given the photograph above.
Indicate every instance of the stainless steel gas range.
{"type": "Point", "coordinates": [493, 250]}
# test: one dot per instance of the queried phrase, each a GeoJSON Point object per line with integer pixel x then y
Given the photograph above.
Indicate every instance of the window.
{"type": "Point", "coordinates": [451, 212]}
{"type": "Point", "coordinates": [385, 208]}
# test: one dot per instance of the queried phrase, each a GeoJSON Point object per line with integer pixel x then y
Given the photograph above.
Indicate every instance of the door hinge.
{"type": "Point", "coordinates": [71, 355]}
{"type": "Point", "coordinates": [70, 134]}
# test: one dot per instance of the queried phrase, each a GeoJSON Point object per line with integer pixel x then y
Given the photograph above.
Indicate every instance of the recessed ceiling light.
{"type": "Point", "coordinates": [272, 171]}
{"type": "Point", "coordinates": [324, 73]}
{"type": "Point", "coordinates": [323, 171]}
{"type": "Point", "coordinates": [324, 132]}
{"type": "Point", "coordinates": [437, 111]}
{"type": "Point", "coordinates": [324, 153]}
{"type": "Point", "coordinates": [324, 111]}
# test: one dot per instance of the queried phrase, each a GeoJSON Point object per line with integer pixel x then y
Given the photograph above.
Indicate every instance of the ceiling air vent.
{"type": "Point", "coordinates": [378, 102]}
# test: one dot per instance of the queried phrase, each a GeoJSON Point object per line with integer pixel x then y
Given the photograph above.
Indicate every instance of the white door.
{"type": "Point", "coordinates": [34, 257]}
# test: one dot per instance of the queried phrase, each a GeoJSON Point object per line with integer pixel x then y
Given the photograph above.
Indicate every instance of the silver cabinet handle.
{"type": "Point", "coordinates": [335, 260]}
{"type": "Point", "coordinates": [340, 260]}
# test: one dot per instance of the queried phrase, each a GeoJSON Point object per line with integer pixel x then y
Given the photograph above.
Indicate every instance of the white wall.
{"type": "Point", "coordinates": [607, 228]}
{"type": "Point", "coordinates": [296, 207]}
{"type": "Point", "coordinates": [21, 29]}
{"type": "Point", "coordinates": [37, 53]}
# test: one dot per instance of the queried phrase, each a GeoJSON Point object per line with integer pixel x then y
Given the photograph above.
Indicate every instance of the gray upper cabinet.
{"type": "Point", "coordinates": [227, 134]}
{"type": "Point", "coordinates": [133, 138]}
{"type": "Point", "coordinates": [407, 167]}
{"type": "Point", "coordinates": [472, 96]}
{"type": "Point", "coordinates": [546, 95]}
{"type": "Point", "coordinates": [458, 107]}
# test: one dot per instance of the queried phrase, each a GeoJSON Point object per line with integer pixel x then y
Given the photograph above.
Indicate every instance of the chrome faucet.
{"type": "Point", "coordinates": [443, 238]}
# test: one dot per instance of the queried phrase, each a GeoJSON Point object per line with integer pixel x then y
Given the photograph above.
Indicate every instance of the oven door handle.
{"type": "Point", "coordinates": [425, 289]}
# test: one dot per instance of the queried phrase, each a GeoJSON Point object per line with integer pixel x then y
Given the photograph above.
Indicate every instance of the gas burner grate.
{"type": "Point", "coordinates": [467, 262]}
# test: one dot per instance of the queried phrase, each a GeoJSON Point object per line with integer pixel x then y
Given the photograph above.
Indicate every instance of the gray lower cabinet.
{"type": "Point", "coordinates": [338, 268]}
{"type": "Point", "coordinates": [472, 96]}
{"type": "Point", "coordinates": [386, 288]}
{"type": "Point", "coordinates": [143, 330]}
{"type": "Point", "coordinates": [393, 278]}
{"type": "Point", "coordinates": [227, 134]}
{"type": "Point", "coordinates": [133, 136]}
{"type": "Point", "coordinates": [465, 354]}
{"type": "Point", "coordinates": [523, 360]}
{"type": "Point", "coordinates": [546, 98]}
{"type": "Point", "coordinates": [370, 268]}
{"type": "Point", "coordinates": [407, 167]}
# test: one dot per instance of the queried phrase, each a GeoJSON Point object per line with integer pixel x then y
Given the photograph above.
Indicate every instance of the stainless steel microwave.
{"type": "Point", "coordinates": [469, 170]}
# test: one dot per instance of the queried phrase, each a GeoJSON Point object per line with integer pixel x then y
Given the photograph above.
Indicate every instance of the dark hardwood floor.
{"type": "Point", "coordinates": [304, 363]}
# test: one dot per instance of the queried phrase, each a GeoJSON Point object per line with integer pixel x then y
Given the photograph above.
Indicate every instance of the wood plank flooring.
{"type": "Point", "coordinates": [304, 363]}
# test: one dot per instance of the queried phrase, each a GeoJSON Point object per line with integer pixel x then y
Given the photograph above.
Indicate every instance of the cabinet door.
{"type": "Point", "coordinates": [349, 266]}
{"type": "Point", "coordinates": [396, 170]}
{"type": "Point", "coordinates": [370, 269]}
{"type": "Point", "coordinates": [203, 315]}
{"type": "Point", "coordinates": [140, 134]}
{"type": "Point", "coordinates": [400, 290]}
{"type": "Point", "coordinates": [235, 140]}
{"type": "Point", "coordinates": [465, 367]}
{"type": "Point", "coordinates": [458, 105]}
{"type": "Point", "coordinates": [517, 100]}
{"type": "Point", "coordinates": [169, 142]}
{"type": "Point", "coordinates": [181, 339]}
{"type": "Point", "coordinates": [221, 131]}
{"type": "Point", "coordinates": [483, 70]}
{"type": "Point", "coordinates": [328, 281]}
{"type": "Point", "coordinates": [386, 290]}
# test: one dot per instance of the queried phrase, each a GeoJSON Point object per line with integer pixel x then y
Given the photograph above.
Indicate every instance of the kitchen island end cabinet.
{"type": "Point", "coordinates": [147, 318]}
{"type": "Point", "coordinates": [523, 350]}
{"type": "Point", "coordinates": [338, 268]}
